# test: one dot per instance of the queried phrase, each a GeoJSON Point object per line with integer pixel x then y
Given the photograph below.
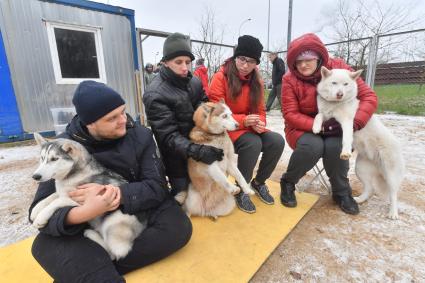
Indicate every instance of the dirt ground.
{"type": "Point", "coordinates": [326, 246]}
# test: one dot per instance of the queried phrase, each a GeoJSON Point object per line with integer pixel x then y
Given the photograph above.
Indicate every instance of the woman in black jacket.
{"type": "Point", "coordinates": [119, 144]}
{"type": "Point", "coordinates": [170, 101]}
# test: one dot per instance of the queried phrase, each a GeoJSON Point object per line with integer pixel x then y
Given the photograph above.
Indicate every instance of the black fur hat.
{"type": "Point", "coordinates": [249, 46]}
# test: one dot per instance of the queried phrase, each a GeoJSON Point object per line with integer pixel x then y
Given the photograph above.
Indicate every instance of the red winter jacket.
{"type": "Point", "coordinates": [240, 107]}
{"type": "Point", "coordinates": [299, 105]}
{"type": "Point", "coordinates": [202, 73]}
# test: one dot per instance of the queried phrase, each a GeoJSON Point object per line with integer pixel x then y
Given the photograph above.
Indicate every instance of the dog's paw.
{"type": "Point", "coordinates": [249, 191]}
{"type": "Point", "coordinates": [345, 155]}
{"type": "Point", "coordinates": [233, 189]}
{"type": "Point", "coordinates": [181, 197]}
{"type": "Point", "coordinates": [316, 129]}
{"type": "Point", "coordinates": [357, 199]}
{"type": "Point", "coordinates": [39, 222]}
{"type": "Point", "coordinates": [214, 218]}
{"type": "Point", "coordinates": [33, 216]}
{"type": "Point", "coordinates": [393, 215]}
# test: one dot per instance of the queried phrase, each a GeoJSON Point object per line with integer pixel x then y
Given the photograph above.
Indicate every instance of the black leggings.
{"type": "Point", "coordinates": [310, 148]}
{"type": "Point", "coordinates": [78, 259]}
{"type": "Point", "coordinates": [250, 145]}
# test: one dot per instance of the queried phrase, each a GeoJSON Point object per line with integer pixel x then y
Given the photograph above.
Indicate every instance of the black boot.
{"type": "Point", "coordinates": [244, 202]}
{"type": "Point", "coordinates": [287, 194]}
{"type": "Point", "coordinates": [347, 204]}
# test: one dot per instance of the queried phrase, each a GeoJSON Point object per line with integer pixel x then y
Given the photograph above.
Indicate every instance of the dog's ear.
{"type": "Point", "coordinates": [70, 148]}
{"type": "Point", "coordinates": [356, 75]}
{"type": "Point", "coordinates": [39, 139]}
{"type": "Point", "coordinates": [207, 108]}
{"type": "Point", "coordinates": [325, 72]}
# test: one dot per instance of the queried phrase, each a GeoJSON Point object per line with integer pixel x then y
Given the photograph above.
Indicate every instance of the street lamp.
{"type": "Point", "coordinates": [155, 56]}
{"type": "Point", "coordinates": [247, 20]}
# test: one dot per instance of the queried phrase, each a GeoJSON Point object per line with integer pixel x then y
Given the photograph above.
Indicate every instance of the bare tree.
{"type": "Point", "coordinates": [211, 31]}
{"type": "Point", "coordinates": [351, 20]}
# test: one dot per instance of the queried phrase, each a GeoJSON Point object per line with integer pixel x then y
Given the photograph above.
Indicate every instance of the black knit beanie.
{"type": "Point", "coordinates": [249, 46]}
{"type": "Point", "coordinates": [176, 45]}
{"type": "Point", "coordinates": [93, 100]}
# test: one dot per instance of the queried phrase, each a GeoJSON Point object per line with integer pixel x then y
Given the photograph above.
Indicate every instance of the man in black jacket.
{"type": "Point", "coordinates": [111, 136]}
{"type": "Point", "coordinates": [170, 101]}
{"type": "Point", "coordinates": [277, 73]}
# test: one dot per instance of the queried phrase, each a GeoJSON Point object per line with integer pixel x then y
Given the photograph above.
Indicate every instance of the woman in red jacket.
{"type": "Point", "coordinates": [239, 83]}
{"type": "Point", "coordinates": [306, 55]}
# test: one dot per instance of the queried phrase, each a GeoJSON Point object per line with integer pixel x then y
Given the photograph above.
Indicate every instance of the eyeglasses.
{"type": "Point", "coordinates": [244, 60]}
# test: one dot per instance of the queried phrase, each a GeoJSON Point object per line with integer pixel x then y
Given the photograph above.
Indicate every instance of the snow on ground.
{"type": "Point", "coordinates": [326, 246]}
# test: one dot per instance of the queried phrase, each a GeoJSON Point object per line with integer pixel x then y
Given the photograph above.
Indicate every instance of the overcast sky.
{"type": "Point", "coordinates": [184, 16]}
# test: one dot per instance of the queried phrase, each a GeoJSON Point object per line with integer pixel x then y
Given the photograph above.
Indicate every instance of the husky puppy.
{"type": "Point", "coordinates": [71, 165]}
{"type": "Point", "coordinates": [210, 193]}
{"type": "Point", "coordinates": [379, 163]}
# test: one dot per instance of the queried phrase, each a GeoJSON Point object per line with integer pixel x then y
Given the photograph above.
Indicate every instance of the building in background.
{"type": "Point", "coordinates": [48, 47]}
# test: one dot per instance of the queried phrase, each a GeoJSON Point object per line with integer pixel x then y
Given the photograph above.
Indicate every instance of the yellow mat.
{"type": "Point", "coordinates": [231, 249]}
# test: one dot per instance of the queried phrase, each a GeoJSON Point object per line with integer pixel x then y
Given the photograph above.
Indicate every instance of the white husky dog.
{"type": "Point", "coordinates": [379, 163]}
{"type": "Point", "coordinates": [70, 164]}
{"type": "Point", "coordinates": [210, 192]}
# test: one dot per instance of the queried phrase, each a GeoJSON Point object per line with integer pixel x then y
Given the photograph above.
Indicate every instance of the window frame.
{"type": "Point", "coordinates": [50, 25]}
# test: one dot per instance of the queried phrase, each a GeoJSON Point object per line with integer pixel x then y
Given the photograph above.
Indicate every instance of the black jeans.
{"type": "Point", "coordinates": [310, 148]}
{"type": "Point", "coordinates": [275, 92]}
{"type": "Point", "coordinates": [250, 145]}
{"type": "Point", "coordinates": [78, 259]}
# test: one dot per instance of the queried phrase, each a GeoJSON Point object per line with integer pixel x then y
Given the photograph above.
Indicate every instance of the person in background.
{"type": "Point", "coordinates": [149, 74]}
{"type": "Point", "coordinates": [239, 83]}
{"type": "Point", "coordinates": [202, 73]}
{"type": "Point", "coordinates": [277, 74]}
{"type": "Point", "coordinates": [305, 57]}
{"type": "Point", "coordinates": [170, 101]}
{"type": "Point", "coordinates": [118, 143]}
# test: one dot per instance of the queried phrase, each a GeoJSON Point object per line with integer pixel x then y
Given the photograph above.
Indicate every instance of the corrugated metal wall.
{"type": "Point", "coordinates": [26, 42]}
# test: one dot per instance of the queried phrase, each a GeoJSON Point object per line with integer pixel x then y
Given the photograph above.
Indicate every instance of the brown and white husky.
{"type": "Point", "coordinates": [210, 192]}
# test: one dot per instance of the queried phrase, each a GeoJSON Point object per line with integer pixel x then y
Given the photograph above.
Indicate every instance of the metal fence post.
{"type": "Point", "coordinates": [372, 61]}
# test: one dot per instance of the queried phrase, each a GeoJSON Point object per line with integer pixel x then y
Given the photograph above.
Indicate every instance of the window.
{"type": "Point", "coordinates": [76, 52]}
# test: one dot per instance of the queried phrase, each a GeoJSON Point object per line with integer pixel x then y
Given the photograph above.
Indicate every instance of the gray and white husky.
{"type": "Point", "coordinates": [379, 163]}
{"type": "Point", "coordinates": [71, 165]}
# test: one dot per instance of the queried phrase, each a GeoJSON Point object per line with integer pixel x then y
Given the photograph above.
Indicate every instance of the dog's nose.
{"type": "Point", "coordinates": [237, 125]}
{"type": "Point", "coordinates": [339, 94]}
{"type": "Point", "coordinates": [36, 177]}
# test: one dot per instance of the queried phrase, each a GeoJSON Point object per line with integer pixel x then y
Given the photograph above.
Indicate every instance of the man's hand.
{"type": "Point", "coordinates": [107, 199]}
{"type": "Point", "coordinates": [83, 191]}
{"type": "Point", "coordinates": [94, 200]}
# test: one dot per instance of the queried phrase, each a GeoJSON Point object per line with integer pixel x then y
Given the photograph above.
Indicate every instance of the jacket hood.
{"type": "Point", "coordinates": [77, 131]}
{"type": "Point", "coordinates": [305, 42]}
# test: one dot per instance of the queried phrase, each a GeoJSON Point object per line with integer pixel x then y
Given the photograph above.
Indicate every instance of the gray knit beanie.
{"type": "Point", "coordinates": [176, 45]}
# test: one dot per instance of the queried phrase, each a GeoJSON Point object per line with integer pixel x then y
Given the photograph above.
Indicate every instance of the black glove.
{"type": "Point", "coordinates": [331, 128]}
{"type": "Point", "coordinates": [205, 153]}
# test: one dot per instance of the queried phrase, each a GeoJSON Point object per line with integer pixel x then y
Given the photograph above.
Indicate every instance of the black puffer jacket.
{"type": "Point", "coordinates": [278, 71]}
{"type": "Point", "coordinates": [170, 102]}
{"type": "Point", "coordinates": [134, 157]}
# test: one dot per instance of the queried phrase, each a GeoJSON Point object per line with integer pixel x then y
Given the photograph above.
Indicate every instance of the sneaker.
{"type": "Point", "coordinates": [347, 204]}
{"type": "Point", "coordinates": [287, 194]}
{"type": "Point", "coordinates": [262, 191]}
{"type": "Point", "coordinates": [244, 203]}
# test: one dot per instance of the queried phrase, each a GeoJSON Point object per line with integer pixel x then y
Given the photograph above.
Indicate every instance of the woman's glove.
{"type": "Point", "coordinates": [331, 128]}
{"type": "Point", "coordinates": [205, 153]}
